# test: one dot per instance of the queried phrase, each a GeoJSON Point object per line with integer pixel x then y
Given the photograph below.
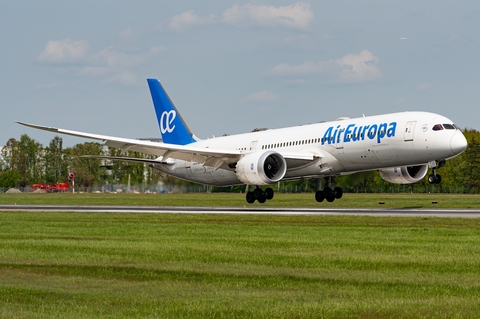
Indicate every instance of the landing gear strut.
{"type": "Point", "coordinates": [260, 195]}
{"type": "Point", "coordinates": [328, 193]}
{"type": "Point", "coordinates": [435, 178]}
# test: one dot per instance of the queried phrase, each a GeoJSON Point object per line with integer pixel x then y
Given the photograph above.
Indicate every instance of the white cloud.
{"type": "Point", "coordinates": [64, 51]}
{"type": "Point", "coordinates": [109, 65]}
{"type": "Point", "coordinates": [127, 34]}
{"type": "Point", "coordinates": [112, 58]}
{"type": "Point", "coordinates": [352, 68]}
{"type": "Point", "coordinates": [294, 16]}
{"type": "Point", "coordinates": [187, 20]}
{"type": "Point", "coordinates": [115, 66]}
{"type": "Point", "coordinates": [423, 87]}
{"type": "Point", "coordinates": [262, 96]}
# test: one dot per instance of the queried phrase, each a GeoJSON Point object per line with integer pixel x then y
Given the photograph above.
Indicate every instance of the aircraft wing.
{"type": "Point", "coordinates": [210, 157]}
{"type": "Point", "coordinates": [292, 162]}
{"type": "Point", "coordinates": [128, 159]}
{"type": "Point", "coordinates": [183, 152]}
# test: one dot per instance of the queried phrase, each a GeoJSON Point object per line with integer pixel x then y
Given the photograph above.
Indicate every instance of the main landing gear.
{"type": "Point", "coordinates": [435, 178]}
{"type": "Point", "coordinates": [328, 193]}
{"type": "Point", "coordinates": [260, 195]}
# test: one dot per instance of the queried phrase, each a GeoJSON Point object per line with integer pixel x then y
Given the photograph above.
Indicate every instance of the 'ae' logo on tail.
{"type": "Point", "coordinates": [166, 121]}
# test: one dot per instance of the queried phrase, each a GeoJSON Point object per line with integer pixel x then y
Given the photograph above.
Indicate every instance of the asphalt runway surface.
{"type": "Point", "coordinates": [445, 213]}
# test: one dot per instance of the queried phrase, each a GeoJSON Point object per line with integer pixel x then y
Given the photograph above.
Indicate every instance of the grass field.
{"type": "Point", "coordinates": [81, 265]}
{"type": "Point", "coordinates": [71, 265]}
{"type": "Point", "coordinates": [238, 200]}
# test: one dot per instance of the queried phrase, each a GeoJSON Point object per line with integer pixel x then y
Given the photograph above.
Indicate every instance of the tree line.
{"type": "Point", "coordinates": [25, 162]}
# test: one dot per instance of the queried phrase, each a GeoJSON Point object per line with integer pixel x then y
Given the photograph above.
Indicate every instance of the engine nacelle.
{"type": "Point", "coordinates": [405, 174]}
{"type": "Point", "coordinates": [261, 168]}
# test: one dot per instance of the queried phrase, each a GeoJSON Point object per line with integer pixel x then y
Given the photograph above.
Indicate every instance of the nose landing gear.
{"type": "Point", "coordinates": [435, 178]}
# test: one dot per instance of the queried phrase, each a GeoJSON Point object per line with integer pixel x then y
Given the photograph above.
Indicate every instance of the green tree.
{"type": "Point", "coordinates": [56, 168]}
{"type": "Point", "coordinates": [10, 179]}
{"type": "Point", "coordinates": [25, 157]}
{"type": "Point", "coordinates": [88, 171]}
{"type": "Point", "coordinates": [359, 182]}
{"type": "Point", "coordinates": [472, 165]}
{"type": "Point", "coordinates": [10, 155]}
{"type": "Point", "coordinates": [31, 152]}
{"type": "Point", "coordinates": [140, 173]}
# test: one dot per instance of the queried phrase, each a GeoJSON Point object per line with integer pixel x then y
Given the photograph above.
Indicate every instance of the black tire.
{"type": "Point", "coordinates": [262, 199]}
{"type": "Point", "coordinates": [269, 193]}
{"type": "Point", "coordinates": [431, 179]}
{"type": "Point", "coordinates": [250, 197]}
{"type": "Point", "coordinates": [338, 191]}
{"type": "Point", "coordinates": [258, 192]}
{"type": "Point", "coordinates": [438, 179]}
{"type": "Point", "coordinates": [329, 194]}
{"type": "Point", "coordinates": [319, 196]}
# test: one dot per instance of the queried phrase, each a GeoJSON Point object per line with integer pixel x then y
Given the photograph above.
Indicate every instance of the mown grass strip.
{"type": "Point", "coordinates": [248, 266]}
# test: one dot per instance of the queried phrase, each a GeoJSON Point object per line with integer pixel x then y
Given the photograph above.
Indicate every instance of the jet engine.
{"type": "Point", "coordinates": [261, 168]}
{"type": "Point", "coordinates": [405, 174]}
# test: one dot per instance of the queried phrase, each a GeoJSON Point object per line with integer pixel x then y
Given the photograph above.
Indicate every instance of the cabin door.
{"type": "Point", "coordinates": [409, 129]}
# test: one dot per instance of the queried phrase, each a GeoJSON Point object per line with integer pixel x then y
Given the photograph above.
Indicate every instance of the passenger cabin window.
{"type": "Point", "coordinates": [437, 127]}
{"type": "Point", "coordinates": [449, 126]}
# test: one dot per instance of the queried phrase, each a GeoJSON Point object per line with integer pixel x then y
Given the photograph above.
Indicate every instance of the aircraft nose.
{"type": "Point", "coordinates": [458, 143]}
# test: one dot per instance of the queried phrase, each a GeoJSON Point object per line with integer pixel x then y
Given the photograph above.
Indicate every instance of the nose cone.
{"type": "Point", "coordinates": [458, 144]}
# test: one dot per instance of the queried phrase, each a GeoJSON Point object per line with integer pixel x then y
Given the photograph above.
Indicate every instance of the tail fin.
{"type": "Point", "coordinates": [172, 126]}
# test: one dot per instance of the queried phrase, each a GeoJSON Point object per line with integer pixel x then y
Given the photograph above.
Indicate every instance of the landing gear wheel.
{"type": "Point", "coordinates": [250, 197]}
{"type": "Point", "coordinates": [434, 179]}
{"type": "Point", "coordinates": [269, 193]}
{"type": "Point", "coordinates": [258, 192]}
{"type": "Point", "coordinates": [262, 199]}
{"type": "Point", "coordinates": [338, 192]}
{"type": "Point", "coordinates": [329, 194]}
{"type": "Point", "coordinates": [319, 196]}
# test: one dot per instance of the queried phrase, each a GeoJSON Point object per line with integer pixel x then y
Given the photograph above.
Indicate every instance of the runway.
{"type": "Point", "coordinates": [394, 212]}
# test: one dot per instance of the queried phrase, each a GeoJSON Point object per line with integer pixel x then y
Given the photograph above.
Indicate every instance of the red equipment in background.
{"type": "Point", "coordinates": [50, 188]}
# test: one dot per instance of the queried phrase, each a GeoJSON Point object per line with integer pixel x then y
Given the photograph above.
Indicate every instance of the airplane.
{"type": "Point", "coordinates": [401, 146]}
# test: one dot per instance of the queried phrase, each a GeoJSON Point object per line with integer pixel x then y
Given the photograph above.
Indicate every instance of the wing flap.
{"type": "Point", "coordinates": [128, 159]}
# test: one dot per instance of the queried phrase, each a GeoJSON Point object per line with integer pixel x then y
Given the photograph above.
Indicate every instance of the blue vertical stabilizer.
{"type": "Point", "coordinates": [172, 126]}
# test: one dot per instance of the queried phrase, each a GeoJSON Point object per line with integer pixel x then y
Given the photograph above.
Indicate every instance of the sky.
{"type": "Point", "coordinates": [233, 66]}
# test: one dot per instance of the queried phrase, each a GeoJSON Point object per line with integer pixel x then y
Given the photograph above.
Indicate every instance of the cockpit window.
{"type": "Point", "coordinates": [449, 126]}
{"type": "Point", "coordinates": [437, 127]}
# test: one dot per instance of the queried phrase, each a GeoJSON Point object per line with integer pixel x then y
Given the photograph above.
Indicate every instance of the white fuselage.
{"type": "Point", "coordinates": [338, 147]}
